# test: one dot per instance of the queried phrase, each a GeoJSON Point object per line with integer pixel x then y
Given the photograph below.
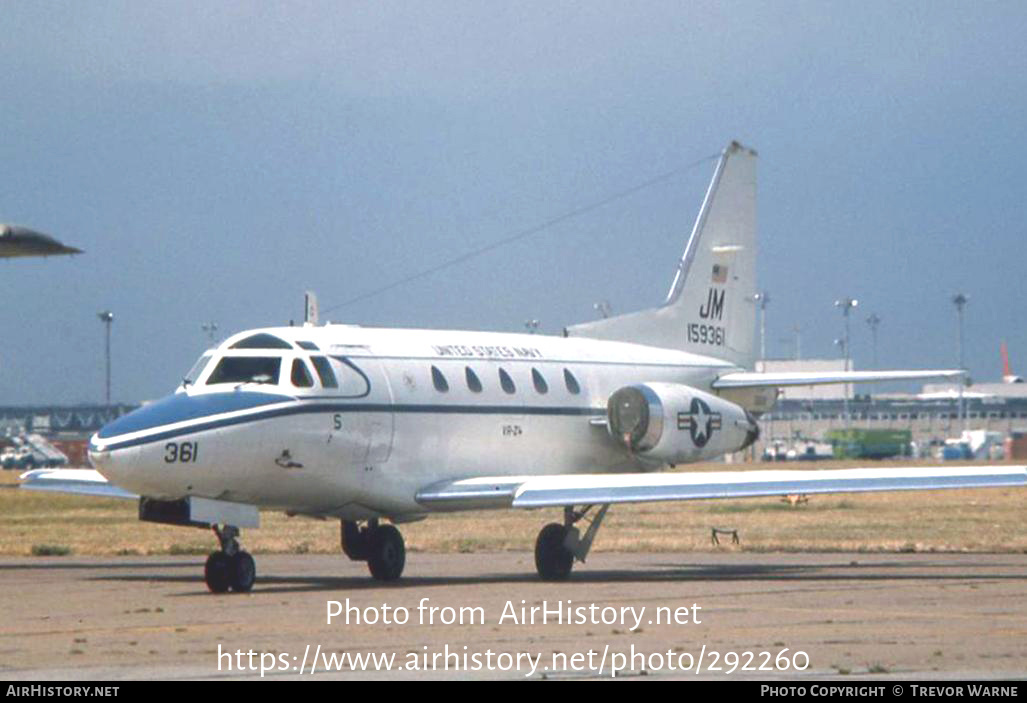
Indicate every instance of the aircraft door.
{"type": "Point", "coordinates": [362, 420]}
{"type": "Point", "coordinates": [379, 421]}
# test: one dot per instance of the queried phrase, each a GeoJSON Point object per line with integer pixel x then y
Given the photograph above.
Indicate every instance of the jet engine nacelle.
{"type": "Point", "coordinates": [677, 424]}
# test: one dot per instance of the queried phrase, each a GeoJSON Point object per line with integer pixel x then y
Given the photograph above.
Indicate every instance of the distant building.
{"type": "Point", "coordinates": [805, 414]}
{"type": "Point", "coordinates": [976, 390]}
{"type": "Point", "coordinates": [60, 420]}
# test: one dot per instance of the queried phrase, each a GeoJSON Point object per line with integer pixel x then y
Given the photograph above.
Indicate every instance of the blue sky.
{"type": "Point", "coordinates": [217, 159]}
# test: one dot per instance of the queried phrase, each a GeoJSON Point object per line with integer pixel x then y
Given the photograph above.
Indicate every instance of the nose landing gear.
{"type": "Point", "coordinates": [229, 568]}
{"type": "Point", "coordinates": [381, 546]}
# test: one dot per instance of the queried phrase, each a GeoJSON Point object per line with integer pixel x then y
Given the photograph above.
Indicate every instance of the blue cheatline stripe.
{"type": "Point", "coordinates": [307, 408]}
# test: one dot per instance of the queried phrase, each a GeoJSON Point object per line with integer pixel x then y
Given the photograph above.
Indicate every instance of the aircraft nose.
{"type": "Point", "coordinates": [100, 456]}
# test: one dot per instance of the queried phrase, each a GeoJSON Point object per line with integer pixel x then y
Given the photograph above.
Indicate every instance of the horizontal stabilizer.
{"type": "Point", "coordinates": [595, 489]}
{"type": "Point", "coordinates": [750, 379]}
{"type": "Point", "coordinates": [77, 481]}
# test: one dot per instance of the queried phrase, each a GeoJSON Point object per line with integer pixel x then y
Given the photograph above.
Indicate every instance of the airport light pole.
{"type": "Point", "coordinates": [762, 299]}
{"type": "Point", "coordinates": [960, 300]}
{"type": "Point", "coordinates": [874, 321]}
{"type": "Point", "coordinates": [843, 344]}
{"type": "Point", "coordinates": [107, 317]}
{"type": "Point", "coordinates": [846, 305]}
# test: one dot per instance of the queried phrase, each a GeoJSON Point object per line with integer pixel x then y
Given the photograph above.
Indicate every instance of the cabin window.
{"type": "Point", "coordinates": [194, 373]}
{"type": "Point", "coordinates": [540, 383]}
{"type": "Point", "coordinates": [261, 341]}
{"type": "Point", "coordinates": [352, 382]}
{"type": "Point", "coordinates": [300, 375]}
{"type": "Point", "coordinates": [572, 383]}
{"type": "Point", "coordinates": [324, 372]}
{"type": "Point", "coordinates": [246, 369]}
{"type": "Point", "coordinates": [473, 382]}
{"type": "Point", "coordinates": [310, 346]}
{"type": "Point", "coordinates": [438, 380]}
{"type": "Point", "coordinates": [505, 382]}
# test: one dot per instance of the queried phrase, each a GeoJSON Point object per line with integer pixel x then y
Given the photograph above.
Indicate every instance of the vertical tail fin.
{"type": "Point", "coordinates": [1007, 372]}
{"type": "Point", "coordinates": [710, 308]}
{"type": "Point", "coordinates": [311, 313]}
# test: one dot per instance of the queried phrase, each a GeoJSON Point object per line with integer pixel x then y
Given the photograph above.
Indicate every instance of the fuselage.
{"type": "Point", "coordinates": [351, 422]}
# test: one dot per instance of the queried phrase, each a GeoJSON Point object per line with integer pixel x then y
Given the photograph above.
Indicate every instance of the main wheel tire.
{"type": "Point", "coordinates": [217, 572]}
{"type": "Point", "coordinates": [354, 540]}
{"type": "Point", "coordinates": [242, 572]}
{"type": "Point", "coordinates": [386, 553]}
{"type": "Point", "coordinates": [553, 560]}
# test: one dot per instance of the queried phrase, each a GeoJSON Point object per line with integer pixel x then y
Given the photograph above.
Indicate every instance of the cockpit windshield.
{"type": "Point", "coordinates": [262, 340]}
{"type": "Point", "coordinates": [246, 369]}
{"type": "Point", "coordinates": [196, 370]}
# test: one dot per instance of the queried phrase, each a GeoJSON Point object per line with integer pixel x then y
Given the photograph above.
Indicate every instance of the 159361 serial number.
{"type": "Point", "coordinates": [705, 334]}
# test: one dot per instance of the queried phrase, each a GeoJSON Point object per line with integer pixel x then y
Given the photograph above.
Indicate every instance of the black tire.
{"type": "Point", "coordinates": [553, 560]}
{"type": "Point", "coordinates": [354, 540]}
{"type": "Point", "coordinates": [242, 572]}
{"type": "Point", "coordinates": [386, 553]}
{"type": "Point", "coordinates": [217, 572]}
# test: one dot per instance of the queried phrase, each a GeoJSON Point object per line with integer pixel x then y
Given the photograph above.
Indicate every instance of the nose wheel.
{"type": "Point", "coordinates": [230, 568]}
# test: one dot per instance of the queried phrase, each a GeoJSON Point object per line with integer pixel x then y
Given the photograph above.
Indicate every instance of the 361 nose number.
{"type": "Point", "coordinates": [181, 452]}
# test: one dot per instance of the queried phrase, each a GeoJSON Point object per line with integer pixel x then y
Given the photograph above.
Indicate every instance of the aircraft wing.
{"type": "Point", "coordinates": [593, 489]}
{"type": "Point", "coordinates": [78, 481]}
{"type": "Point", "coordinates": [753, 379]}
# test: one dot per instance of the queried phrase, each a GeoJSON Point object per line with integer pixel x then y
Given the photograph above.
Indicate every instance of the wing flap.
{"type": "Point", "coordinates": [753, 379]}
{"type": "Point", "coordinates": [591, 489]}
{"type": "Point", "coordinates": [75, 481]}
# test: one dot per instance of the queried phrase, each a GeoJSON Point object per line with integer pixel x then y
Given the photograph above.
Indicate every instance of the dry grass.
{"type": "Point", "coordinates": [959, 520]}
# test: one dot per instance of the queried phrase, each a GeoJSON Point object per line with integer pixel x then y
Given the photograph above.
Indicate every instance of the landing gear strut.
{"type": "Point", "coordinates": [559, 545]}
{"type": "Point", "coordinates": [230, 567]}
{"type": "Point", "coordinates": [381, 546]}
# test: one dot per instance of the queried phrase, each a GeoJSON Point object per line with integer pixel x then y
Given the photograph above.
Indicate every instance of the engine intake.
{"type": "Point", "coordinates": [676, 424]}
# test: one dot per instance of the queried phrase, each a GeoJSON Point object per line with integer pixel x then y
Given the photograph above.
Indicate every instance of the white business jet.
{"type": "Point", "coordinates": [368, 425]}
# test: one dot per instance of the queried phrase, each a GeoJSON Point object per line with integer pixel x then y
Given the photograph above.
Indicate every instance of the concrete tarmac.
{"type": "Point", "coordinates": [854, 616]}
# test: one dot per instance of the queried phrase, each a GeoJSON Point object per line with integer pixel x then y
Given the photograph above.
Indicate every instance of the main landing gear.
{"type": "Point", "coordinates": [381, 546]}
{"type": "Point", "coordinates": [559, 545]}
{"type": "Point", "coordinates": [230, 567]}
